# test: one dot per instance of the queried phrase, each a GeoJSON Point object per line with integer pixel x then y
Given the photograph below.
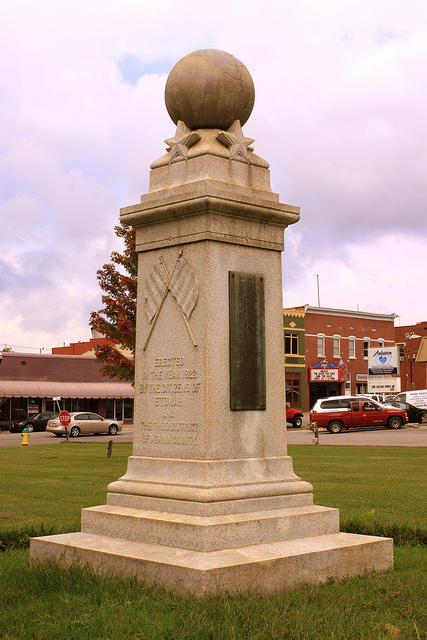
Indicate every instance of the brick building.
{"type": "Point", "coordinates": [326, 351]}
{"type": "Point", "coordinates": [412, 343]}
{"type": "Point", "coordinates": [29, 382]}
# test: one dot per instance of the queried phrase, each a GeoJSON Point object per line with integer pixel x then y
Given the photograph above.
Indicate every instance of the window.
{"type": "Point", "coordinates": [293, 389]}
{"type": "Point", "coordinates": [291, 343]}
{"type": "Point", "coordinates": [347, 391]}
{"type": "Point", "coordinates": [127, 408]}
{"type": "Point", "coordinates": [114, 409]}
{"type": "Point", "coordinates": [352, 347]}
{"type": "Point", "coordinates": [401, 351]}
{"type": "Point", "coordinates": [336, 346]}
{"type": "Point", "coordinates": [365, 347]}
{"type": "Point", "coordinates": [321, 345]}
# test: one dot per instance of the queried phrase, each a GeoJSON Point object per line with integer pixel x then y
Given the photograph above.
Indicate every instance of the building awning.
{"type": "Point", "coordinates": [45, 389]}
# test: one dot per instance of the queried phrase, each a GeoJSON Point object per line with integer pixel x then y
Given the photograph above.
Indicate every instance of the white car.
{"type": "Point", "coordinates": [83, 422]}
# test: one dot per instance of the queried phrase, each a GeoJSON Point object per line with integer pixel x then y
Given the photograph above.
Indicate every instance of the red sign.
{"type": "Point", "coordinates": [64, 418]}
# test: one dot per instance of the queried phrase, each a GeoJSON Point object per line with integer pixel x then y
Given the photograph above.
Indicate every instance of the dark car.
{"type": "Point", "coordinates": [35, 423]}
{"type": "Point", "coordinates": [415, 414]}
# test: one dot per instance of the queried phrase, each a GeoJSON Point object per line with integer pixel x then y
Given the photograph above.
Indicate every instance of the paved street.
{"type": "Point", "coordinates": [408, 436]}
{"type": "Point", "coordinates": [411, 435]}
{"type": "Point", "coordinates": [15, 439]}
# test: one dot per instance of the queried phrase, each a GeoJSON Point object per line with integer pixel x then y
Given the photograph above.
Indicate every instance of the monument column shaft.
{"type": "Point", "coordinates": [182, 391]}
{"type": "Point", "coordinates": [188, 442]}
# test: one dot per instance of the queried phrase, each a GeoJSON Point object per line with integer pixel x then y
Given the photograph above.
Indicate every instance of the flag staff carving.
{"type": "Point", "coordinates": [183, 286]}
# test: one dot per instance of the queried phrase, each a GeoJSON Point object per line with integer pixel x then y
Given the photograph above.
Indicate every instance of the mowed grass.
{"type": "Point", "coordinates": [47, 485]}
{"type": "Point", "coordinates": [51, 484]}
{"type": "Point", "coordinates": [44, 603]}
{"type": "Point", "coordinates": [387, 484]}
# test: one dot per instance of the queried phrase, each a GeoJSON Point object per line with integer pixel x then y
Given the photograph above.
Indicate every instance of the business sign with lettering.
{"type": "Point", "coordinates": [327, 372]}
{"type": "Point", "coordinates": [383, 361]}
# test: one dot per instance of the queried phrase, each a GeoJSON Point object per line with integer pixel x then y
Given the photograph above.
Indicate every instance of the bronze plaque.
{"type": "Point", "coordinates": [247, 342]}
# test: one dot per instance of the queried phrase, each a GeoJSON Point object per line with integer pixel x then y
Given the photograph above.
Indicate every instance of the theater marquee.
{"type": "Point", "coordinates": [327, 372]}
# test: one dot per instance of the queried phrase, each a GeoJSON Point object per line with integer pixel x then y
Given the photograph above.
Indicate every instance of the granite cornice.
{"type": "Point", "coordinates": [210, 196]}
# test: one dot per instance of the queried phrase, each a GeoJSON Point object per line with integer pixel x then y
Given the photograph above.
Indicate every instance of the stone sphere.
{"type": "Point", "coordinates": [209, 89]}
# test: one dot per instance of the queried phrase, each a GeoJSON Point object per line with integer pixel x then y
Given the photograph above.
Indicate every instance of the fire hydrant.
{"type": "Point", "coordinates": [24, 436]}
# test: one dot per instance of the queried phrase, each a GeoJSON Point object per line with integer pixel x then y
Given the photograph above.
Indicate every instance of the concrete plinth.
{"type": "Point", "coordinates": [258, 569]}
{"type": "Point", "coordinates": [210, 502]}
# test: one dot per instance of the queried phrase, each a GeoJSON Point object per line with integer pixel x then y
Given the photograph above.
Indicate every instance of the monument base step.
{"type": "Point", "coordinates": [260, 568]}
{"type": "Point", "coordinates": [209, 533]}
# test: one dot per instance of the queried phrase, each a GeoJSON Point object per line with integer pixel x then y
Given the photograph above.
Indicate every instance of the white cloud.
{"type": "Point", "coordinates": [339, 114]}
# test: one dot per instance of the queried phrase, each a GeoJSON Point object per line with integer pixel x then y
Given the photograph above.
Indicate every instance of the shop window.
{"type": "Point", "coordinates": [4, 408]}
{"type": "Point", "coordinates": [127, 409]}
{"type": "Point", "coordinates": [19, 408]}
{"type": "Point", "coordinates": [347, 390]}
{"type": "Point", "coordinates": [114, 409]}
{"type": "Point", "coordinates": [291, 343]}
{"type": "Point", "coordinates": [119, 409]}
{"type": "Point", "coordinates": [351, 347]}
{"type": "Point", "coordinates": [293, 389]}
{"type": "Point", "coordinates": [109, 409]}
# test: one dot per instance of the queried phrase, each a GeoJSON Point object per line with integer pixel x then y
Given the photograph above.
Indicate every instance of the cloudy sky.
{"type": "Point", "coordinates": [340, 114]}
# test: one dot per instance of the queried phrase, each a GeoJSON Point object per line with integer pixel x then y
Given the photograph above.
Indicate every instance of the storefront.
{"type": "Point", "coordinates": [29, 383]}
{"type": "Point", "coordinates": [326, 379]}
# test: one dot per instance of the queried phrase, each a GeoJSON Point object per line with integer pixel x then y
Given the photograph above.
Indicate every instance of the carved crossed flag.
{"type": "Point", "coordinates": [182, 284]}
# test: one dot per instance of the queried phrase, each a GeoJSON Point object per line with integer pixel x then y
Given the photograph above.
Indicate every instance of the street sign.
{"type": "Point", "coordinates": [64, 418]}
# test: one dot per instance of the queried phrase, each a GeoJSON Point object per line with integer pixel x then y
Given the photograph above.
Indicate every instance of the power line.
{"type": "Point", "coordinates": [18, 346]}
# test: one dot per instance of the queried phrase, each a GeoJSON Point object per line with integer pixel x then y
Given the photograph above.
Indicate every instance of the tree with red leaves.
{"type": "Point", "coordinates": [117, 320]}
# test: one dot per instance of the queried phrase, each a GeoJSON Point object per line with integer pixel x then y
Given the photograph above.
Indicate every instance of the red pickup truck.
{"type": "Point", "coordinates": [294, 416]}
{"type": "Point", "coordinates": [343, 412]}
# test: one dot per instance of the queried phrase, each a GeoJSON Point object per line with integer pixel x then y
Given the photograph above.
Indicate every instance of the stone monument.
{"type": "Point", "coordinates": [210, 502]}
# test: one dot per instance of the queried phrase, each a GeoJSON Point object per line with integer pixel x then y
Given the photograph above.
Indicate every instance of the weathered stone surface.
{"type": "Point", "coordinates": [209, 88]}
{"type": "Point", "coordinates": [210, 502]}
{"type": "Point", "coordinates": [258, 569]}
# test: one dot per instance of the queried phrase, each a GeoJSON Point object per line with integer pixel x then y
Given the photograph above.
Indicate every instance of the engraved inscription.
{"type": "Point", "coordinates": [169, 386]}
{"type": "Point", "coordinates": [247, 342]}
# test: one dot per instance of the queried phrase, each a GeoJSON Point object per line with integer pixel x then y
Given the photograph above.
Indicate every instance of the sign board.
{"type": "Point", "coordinates": [361, 377]}
{"type": "Point", "coordinates": [33, 408]}
{"type": "Point", "coordinates": [386, 385]}
{"type": "Point", "coordinates": [324, 375]}
{"type": "Point", "coordinates": [64, 418]}
{"type": "Point", "coordinates": [383, 361]}
{"type": "Point", "coordinates": [327, 372]}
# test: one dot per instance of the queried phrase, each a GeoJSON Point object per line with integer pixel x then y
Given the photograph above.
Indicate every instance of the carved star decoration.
{"type": "Point", "coordinates": [236, 142]}
{"type": "Point", "coordinates": [183, 140]}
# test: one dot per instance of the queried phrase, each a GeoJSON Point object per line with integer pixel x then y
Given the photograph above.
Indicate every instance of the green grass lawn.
{"type": "Point", "coordinates": [47, 486]}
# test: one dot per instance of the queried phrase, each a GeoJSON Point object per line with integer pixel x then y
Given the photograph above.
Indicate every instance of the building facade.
{"type": "Point", "coordinates": [29, 382]}
{"type": "Point", "coordinates": [411, 341]}
{"type": "Point", "coordinates": [330, 350]}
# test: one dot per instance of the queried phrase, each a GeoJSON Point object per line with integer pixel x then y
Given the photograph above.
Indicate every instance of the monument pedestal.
{"type": "Point", "coordinates": [210, 502]}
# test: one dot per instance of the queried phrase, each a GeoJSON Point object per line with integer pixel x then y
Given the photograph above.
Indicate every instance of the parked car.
{"type": "Point", "coordinates": [344, 412]}
{"type": "Point", "coordinates": [415, 414]}
{"type": "Point", "coordinates": [378, 397]}
{"type": "Point", "coordinates": [83, 422]}
{"type": "Point", "coordinates": [418, 398]}
{"type": "Point", "coordinates": [33, 423]}
{"type": "Point", "coordinates": [294, 416]}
